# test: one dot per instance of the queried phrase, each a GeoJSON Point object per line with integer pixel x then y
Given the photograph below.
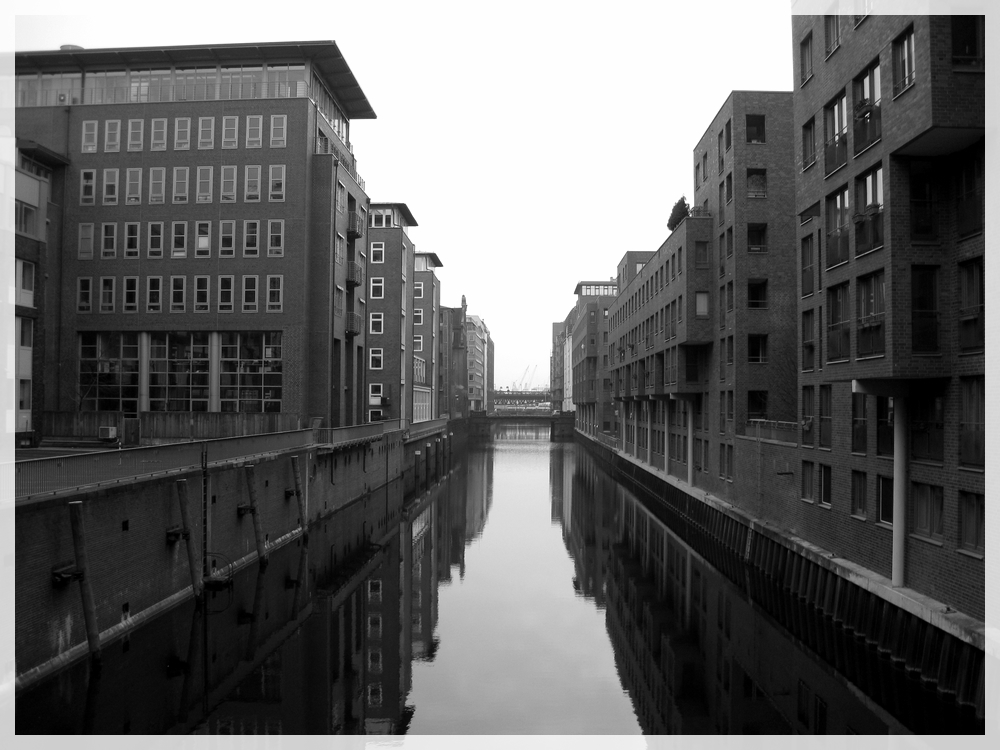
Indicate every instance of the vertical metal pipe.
{"type": "Point", "coordinates": [258, 532]}
{"type": "Point", "coordinates": [192, 552]}
{"type": "Point", "coordinates": [900, 460]}
{"type": "Point", "coordinates": [86, 593]}
{"type": "Point", "coordinates": [299, 496]}
{"type": "Point", "coordinates": [427, 466]}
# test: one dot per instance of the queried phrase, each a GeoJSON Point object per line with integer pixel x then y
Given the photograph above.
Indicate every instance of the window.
{"type": "Point", "coordinates": [225, 294]}
{"type": "Point", "coordinates": [835, 119]}
{"type": "Point", "coordinates": [701, 304]}
{"type": "Point", "coordinates": [227, 239]}
{"type": "Point", "coordinates": [825, 485]}
{"type": "Point", "coordinates": [158, 137]}
{"type": "Point", "coordinates": [178, 248]}
{"type": "Point", "coordinates": [756, 405]}
{"type": "Point", "coordinates": [730, 297]}
{"type": "Point", "coordinates": [377, 252]}
{"type": "Point", "coordinates": [85, 242]}
{"type": "Point", "coordinates": [757, 238]}
{"type": "Point", "coordinates": [871, 314]}
{"type": "Point", "coordinates": [110, 194]}
{"type": "Point", "coordinates": [831, 25]}
{"type": "Point", "coordinates": [276, 191]}
{"type": "Point", "coordinates": [133, 187]}
{"type": "Point", "coordinates": [970, 200]}
{"type": "Point", "coordinates": [729, 187]}
{"type": "Point", "coordinates": [88, 143]}
{"type": "Point", "coordinates": [808, 275]}
{"type": "Point", "coordinates": [203, 239]}
{"type": "Point", "coordinates": [375, 321]}
{"type": "Point", "coordinates": [418, 343]}
{"type": "Point", "coordinates": [112, 135]}
{"type": "Point", "coordinates": [278, 128]}
{"type": "Point", "coordinates": [154, 240]}
{"type": "Point", "coordinates": [867, 108]}
{"type": "Point", "coordinates": [109, 240]}
{"type": "Point", "coordinates": [968, 41]}
{"type": "Point", "coordinates": [757, 294]}
{"type": "Point", "coordinates": [825, 416]}
{"type": "Point", "coordinates": [902, 63]}
{"type": "Point", "coordinates": [839, 330]}
{"type": "Point", "coordinates": [84, 291]}
{"type": "Point", "coordinates": [418, 316]}
{"type": "Point", "coordinates": [88, 186]}
{"type": "Point", "coordinates": [808, 481]}
{"type": "Point", "coordinates": [251, 246]}
{"type": "Point", "coordinates": [274, 299]}
{"type": "Point", "coordinates": [25, 271]}
{"type": "Point", "coordinates": [107, 294]}
{"type": "Point", "coordinates": [729, 134]}
{"type": "Point", "coordinates": [180, 185]}
{"type": "Point", "coordinates": [154, 291]}
{"type": "Point", "coordinates": [924, 308]}
{"type": "Point", "coordinates": [276, 237]}
{"type": "Point", "coordinates": [254, 127]}
{"type": "Point", "coordinates": [868, 233]}
{"type": "Point", "coordinates": [972, 423]}
{"type": "Point", "coordinates": [972, 522]}
{"type": "Point", "coordinates": [182, 133]}
{"type": "Point", "coordinates": [228, 193]}
{"type": "Point", "coordinates": [132, 239]}
{"type": "Point", "coordinates": [418, 290]}
{"type": "Point", "coordinates": [971, 294]}
{"type": "Point", "coordinates": [251, 183]}
{"type": "Point", "coordinates": [249, 294]}
{"type": "Point", "coordinates": [837, 222]}
{"type": "Point", "coordinates": [178, 291]}
{"type": "Point", "coordinates": [130, 301]}
{"type": "Point", "coordinates": [808, 412]}
{"type": "Point", "coordinates": [928, 501]}
{"type": "Point", "coordinates": [341, 197]}
{"type": "Point", "coordinates": [927, 428]}
{"type": "Point", "coordinates": [859, 423]}
{"type": "Point", "coordinates": [729, 350]}
{"type": "Point", "coordinates": [757, 348]}
{"type": "Point", "coordinates": [135, 129]}
{"type": "Point", "coordinates": [755, 129]}
{"type": "Point", "coordinates": [809, 143]}
{"type": "Point", "coordinates": [206, 132]}
{"type": "Point", "coordinates": [859, 492]}
{"type": "Point", "coordinates": [756, 183]}
{"type": "Point", "coordinates": [883, 426]}
{"type": "Point", "coordinates": [376, 288]}
{"type": "Point", "coordinates": [338, 301]}
{"type": "Point", "coordinates": [375, 359]}
{"type": "Point", "coordinates": [157, 178]}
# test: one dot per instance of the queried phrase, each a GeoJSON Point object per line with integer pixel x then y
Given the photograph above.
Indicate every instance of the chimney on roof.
{"type": "Point", "coordinates": [70, 46]}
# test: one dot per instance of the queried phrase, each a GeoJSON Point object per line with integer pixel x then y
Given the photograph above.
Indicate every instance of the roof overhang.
{"type": "Point", "coordinates": [40, 153]}
{"type": "Point", "coordinates": [325, 56]}
{"type": "Point", "coordinates": [401, 207]}
{"type": "Point", "coordinates": [435, 260]}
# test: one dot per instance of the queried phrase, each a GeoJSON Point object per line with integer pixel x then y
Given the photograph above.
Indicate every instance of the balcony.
{"type": "Point", "coordinates": [355, 274]}
{"type": "Point", "coordinates": [838, 341]}
{"type": "Point", "coordinates": [871, 334]}
{"type": "Point", "coordinates": [337, 148]}
{"type": "Point", "coordinates": [352, 326]}
{"type": "Point", "coordinates": [867, 125]}
{"type": "Point", "coordinates": [143, 92]}
{"type": "Point", "coordinates": [768, 429]}
{"type": "Point", "coordinates": [835, 153]}
{"type": "Point", "coordinates": [420, 372]}
{"type": "Point", "coordinates": [838, 246]}
{"type": "Point", "coordinates": [355, 225]}
{"type": "Point", "coordinates": [868, 233]}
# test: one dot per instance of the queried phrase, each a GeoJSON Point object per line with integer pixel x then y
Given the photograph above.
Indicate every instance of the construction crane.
{"type": "Point", "coordinates": [519, 385]}
{"type": "Point", "coordinates": [528, 384]}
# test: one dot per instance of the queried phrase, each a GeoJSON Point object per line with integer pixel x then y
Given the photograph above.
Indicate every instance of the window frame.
{"type": "Point", "coordinates": [178, 291]}
{"type": "Point", "coordinates": [154, 249]}
{"type": "Point", "coordinates": [84, 294]}
{"type": "Point", "coordinates": [226, 290]}
{"type": "Point", "coordinates": [227, 251]}
{"type": "Point", "coordinates": [206, 133]}
{"type": "Point", "coordinates": [203, 187]}
{"type": "Point", "coordinates": [230, 123]}
{"type": "Point", "coordinates": [202, 249]}
{"type": "Point", "coordinates": [181, 176]}
{"type": "Point", "coordinates": [106, 304]}
{"type": "Point", "coordinates": [270, 305]}
{"type": "Point", "coordinates": [136, 131]}
{"type": "Point", "coordinates": [276, 196]}
{"type": "Point", "coordinates": [373, 319]}
{"type": "Point", "coordinates": [157, 177]}
{"type": "Point", "coordinates": [182, 125]}
{"type": "Point", "coordinates": [158, 134]}
{"type": "Point", "coordinates": [154, 291]}
{"type": "Point", "coordinates": [254, 123]}
{"type": "Point", "coordinates": [88, 137]}
{"type": "Point", "coordinates": [178, 251]}
{"type": "Point", "coordinates": [251, 250]}
{"type": "Point", "coordinates": [85, 241]}
{"type": "Point", "coordinates": [109, 187]}
{"type": "Point", "coordinates": [250, 301]}
{"type": "Point", "coordinates": [130, 291]}
{"type": "Point", "coordinates": [275, 250]}
{"type": "Point", "coordinates": [379, 282]}
{"type": "Point", "coordinates": [112, 136]}
{"type": "Point", "coordinates": [375, 354]}
{"type": "Point", "coordinates": [280, 123]}
{"type": "Point", "coordinates": [133, 232]}
{"type": "Point", "coordinates": [109, 240]}
{"type": "Point", "coordinates": [202, 294]}
{"type": "Point", "coordinates": [248, 196]}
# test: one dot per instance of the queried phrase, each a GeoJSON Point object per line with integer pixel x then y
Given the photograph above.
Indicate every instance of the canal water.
{"type": "Point", "coordinates": [528, 593]}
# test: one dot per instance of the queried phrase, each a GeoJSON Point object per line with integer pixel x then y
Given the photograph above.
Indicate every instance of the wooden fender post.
{"type": "Point", "coordinates": [299, 495]}
{"type": "Point", "coordinates": [86, 593]}
{"type": "Point", "coordinates": [258, 532]}
{"type": "Point", "coordinates": [193, 566]}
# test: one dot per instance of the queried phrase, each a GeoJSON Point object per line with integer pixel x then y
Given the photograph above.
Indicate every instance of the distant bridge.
{"type": "Point", "coordinates": [513, 399]}
{"type": "Point", "coordinates": [561, 426]}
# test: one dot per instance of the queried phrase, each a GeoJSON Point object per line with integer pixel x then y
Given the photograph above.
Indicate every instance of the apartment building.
{"type": "Point", "coordinates": [210, 212]}
{"type": "Point", "coordinates": [426, 329]}
{"type": "Point", "coordinates": [477, 337]}
{"type": "Point", "coordinates": [591, 390]}
{"type": "Point", "coordinates": [454, 356]}
{"type": "Point", "coordinates": [889, 117]}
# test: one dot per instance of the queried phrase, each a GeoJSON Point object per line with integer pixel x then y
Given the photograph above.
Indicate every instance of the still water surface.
{"type": "Point", "coordinates": [526, 594]}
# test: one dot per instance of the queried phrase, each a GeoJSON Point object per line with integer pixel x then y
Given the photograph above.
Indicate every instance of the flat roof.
{"type": "Point", "coordinates": [410, 221]}
{"type": "Point", "coordinates": [434, 259]}
{"type": "Point", "coordinates": [324, 55]}
{"type": "Point", "coordinates": [606, 282]}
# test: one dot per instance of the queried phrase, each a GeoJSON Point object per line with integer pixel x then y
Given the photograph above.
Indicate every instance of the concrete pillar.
{"type": "Point", "coordinates": [143, 371]}
{"type": "Point", "coordinates": [214, 370]}
{"type": "Point", "coordinates": [650, 411]}
{"type": "Point", "coordinates": [635, 429]}
{"type": "Point", "coordinates": [427, 466]}
{"type": "Point", "coordinates": [690, 446]}
{"type": "Point", "coordinates": [900, 460]}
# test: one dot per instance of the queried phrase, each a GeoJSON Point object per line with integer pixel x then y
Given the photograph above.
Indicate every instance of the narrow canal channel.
{"type": "Point", "coordinates": [527, 593]}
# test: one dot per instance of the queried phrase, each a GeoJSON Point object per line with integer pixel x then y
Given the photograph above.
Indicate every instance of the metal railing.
{"type": "Point", "coordinates": [331, 437]}
{"type": "Point", "coordinates": [352, 326]}
{"type": "Point", "coordinates": [768, 429]}
{"type": "Point", "coordinates": [838, 341]}
{"type": "Point", "coordinates": [871, 334]}
{"type": "Point", "coordinates": [355, 273]}
{"type": "Point", "coordinates": [835, 152]}
{"type": "Point", "coordinates": [868, 233]}
{"type": "Point", "coordinates": [867, 126]}
{"type": "Point", "coordinates": [838, 246]}
{"type": "Point", "coordinates": [142, 92]}
{"type": "Point", "coordinates": [343, 153]}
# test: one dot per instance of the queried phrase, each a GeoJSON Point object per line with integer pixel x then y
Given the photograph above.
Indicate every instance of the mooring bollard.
{"type": "Point", "coordinates": [427, 466]}
{"type": "Point", "coordinates": [193, 565]}
{"type": "Point", "coordinates": [258, 532]}
{"type": "Point", "coordinates": [416, 472]}
{"type": "Point", "coordinates": [299, 495]}
{"type": "Point", "coordinates": [86, 593]}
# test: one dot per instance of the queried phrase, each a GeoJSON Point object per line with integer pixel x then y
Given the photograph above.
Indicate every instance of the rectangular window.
{"type": "Point", "coordinates": [928, 501]}
{"type": "Point", "coordinates": [158, 136]}
{"type": "Point", "coordinates": [276, 182]}
{"type": "Point", "coordinates": [837, 223]}
{"type": "Point", "coordinates": [835, 121]}
{"type": "Point", "coordinates": [970, 197]}
{"type": "Point", "coordinates": [254, 127]}
{"type": "Point", "coordinates": [377, 252]}
{"type": "Point", "coordinates": [180, 194]}
{"type": "Point", "coordinates": [227, 239]}
{"type": "Point", "coordinates": [135, 131]}
{"type": "Point", "coordinates": [133, 187]}
{"type": "Point", "coordinates": [206, 132]}
{"type": "Point", "coordinates": [809, 143]}
{"type": "Point", "coordinates": [867, 108]}
{"type": "Point", "coordinates": [805, 59]}
{"type": "Point", "coordinates": [926, 425]}
{"type": "Point", "coordinates": [418, 343]}
{"type": "Point", "coordinates": [130, 302]}
{"type": "Point", "coordinates": [107, 294]}
{"type": "Point", "coordinates": [276, 237]}
{"type": "Point", "coordinates": [85, 242]}
{"type": "Point", "coordinates": [972, 522]}
{"type": "Point", "coordinates": [757, 294]}
{"type": "Point", "coordinates": [341, 197]}
{"type": "Point", "coordinates": [884, 499]}
{"type": "Point", "coordinates": [204, 179]}
{"type": "Point", "coordinates": [249, 294]}
{"type": "Point", "coordinates": [838, 342]}
{"type": "Point", "coordinates": [925, 309]}
{"type": "Point", "coordinates": [110, 194]}
{"type": "Point", "coordinates": [755, 129]}
{"type": "Point", "coordinates": [182, 133]}
{"type": "Point", "coordinates": [375, 322]}
{"type": "Point", "coordinates": [871, 314]}
{"type": "Point", "coordinates": [808, 274]}
{"type": "Point", "coordinates": [971, 305]}
{"type": "Point", "coordinates": [859, 423]}
{"type": "Point", "coordinates": [757, 348]}
{"type": "Point", "coordinates": [132, 239]}
{"type": "Point", "coordinates": [756, 183]}
{"type": "Point", "coordinates": [972, 423]}
{"type": "Point", "coordinates": [808, 413]}
{"type": "Point", "coordinates": [109, 240]}
{"type": "Point", "coordinates": [225, 294]}
{"type": "Point", "coordinates": [701, 304]}
{"type": "Point", "coordinates": [808, 481]}
{"type": "Point", "coordinates": [278, 127]}
{"type": "Point", "coordinates": [831, 25]}
{"type": "Point", "coordinates": [902, 63]}
{"type": "Point", "coordinates": [203, 239]}
{"type": "Point", "coordinates": [88, 186]}
{"type": "Point", "coordinates": [251, 183]}
{"type": "Point", "coordinates": [859, 493]}
{"type": "Point", "coordinates": [729, 187]}
{"type": "Point", "coordinates": [868, 234]}
{"type": "Point", "coordinates": [154, 243]}
{"type": "Point", "coordinates": [157, 178]}
{"type": "Point", "coordinates": [251, 245]}
{"type": "Point", "coordinates": [884, 436]}
{"type": "Point", "coordinates": [84, 291]}
{"type": "Point", "coordinates": [377, 287]}
{"type": "Point", "coordinates": [825, 416]}
{"type": "Point", "coordinates": [230, 131]}
{"type": "Point", "coordinates": [375, 359]}
{"type": "Point", "coordinates": [178, 290]}
{"type": "Point", "coordinates": [201, 293]}
{"type": "Point", "coordinates": [88, 143]}
{"type": "Point", "coordinates": [418, 290]}
{"type": "Point", "coordinates": [274, 300]}
{"type": "Point", "coordinates": [825, 485]}
{"type": "Point", "coordinates": [756, 405]}
{"type": "Point", "coordinates": [228, 194]}
{"type": "Point", "coordinates": [418, 317]}
{"type": "Point", "coordinates": [112, 135]}
{"type": "Point", "coordinates": [154, 291]}
{"type": "Point", "coordinates": [178, 248]}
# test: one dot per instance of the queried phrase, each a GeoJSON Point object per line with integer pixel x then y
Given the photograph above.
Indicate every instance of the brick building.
{"type": "Point", "coordinates": [454, 356]}
{"type": "Point", "coordinates": [478, 346]}
{"type": "Point", "coordinates": [210, 212]}
{"type": "Point", "coordinates": [426, 330]}
{"type": "Point", "coordinates": [591, 391]}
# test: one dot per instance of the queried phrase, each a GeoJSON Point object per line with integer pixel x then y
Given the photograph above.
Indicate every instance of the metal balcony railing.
{"type": "Point", "coordinates": [355, 225]}
{"type": "Point", "coordinates": [835, 152]}
{"type": "Point", "coordinates": [352, 326]}
{"type": "Point", "coordinates": [838, 246]}
{"type": "Point", "coordinates": [867, 124]}
{"type": "Point", "coordinates": [337, 148]}
{"type": "Point", "coordinates": [871, 334]}
{"type": "Point", "coordinates": [868, 233]}
{"type": "Point", "coordinates": [838, 341]}
{"type": "Point", "coordinates": [355, 274]}
{"type": "Point", "coordinates": [142, 92]}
